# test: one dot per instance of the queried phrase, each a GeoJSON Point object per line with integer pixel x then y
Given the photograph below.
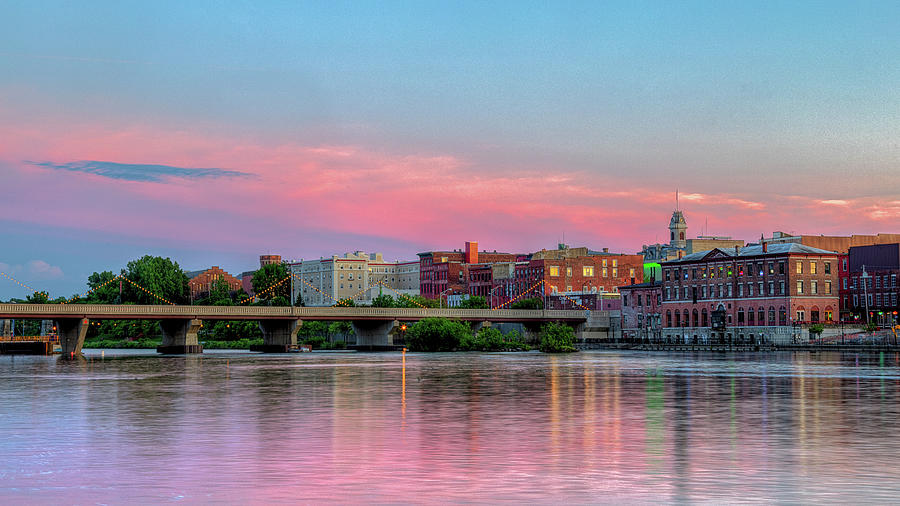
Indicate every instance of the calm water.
{"type": "Point", "coordinates": [132, 427]}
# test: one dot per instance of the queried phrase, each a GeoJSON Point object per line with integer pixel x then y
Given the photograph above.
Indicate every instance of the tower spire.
{"type": "Point", "coordinates": [676, 199]}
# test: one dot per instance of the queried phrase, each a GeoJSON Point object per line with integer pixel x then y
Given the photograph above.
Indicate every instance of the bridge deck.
{"type": "Point", "coordinates": [134, 312]}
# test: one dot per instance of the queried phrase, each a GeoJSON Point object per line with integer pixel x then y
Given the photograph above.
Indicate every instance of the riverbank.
{"type": "Point", "coordinates": [849, 348]}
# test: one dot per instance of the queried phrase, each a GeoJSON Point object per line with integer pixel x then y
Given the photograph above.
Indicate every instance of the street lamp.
{"type": "Point", "coordinates": [440, 302]}
{"type": "Point", "coordinates": [492, 295]}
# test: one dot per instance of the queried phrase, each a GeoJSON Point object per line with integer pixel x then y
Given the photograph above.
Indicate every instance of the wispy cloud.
{"type": "Point", "coordinates": [141, 172]}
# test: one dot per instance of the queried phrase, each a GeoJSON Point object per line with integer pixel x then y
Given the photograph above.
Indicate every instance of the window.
{"type": "Point", "coordinates": [812, 267]}
{"type": "Point", "coordinates": [771, 269]}
{"type": "Point", "coordinates": [781, 287]}
{"type": "Point", "coordinates": [631, 273]}
{"type": "Point", "coordinates": [828, 287]}
{"type": "Point", "coordinates": [855, 300]}
{"type": "Point", "coordinates": [780, 267]}
{"type": "Point", "coordinates": [844, 262]}
{"type": "Point", "coordinates": [605, 273]}
{"type": "Point", "coordinates": [638, 300]}
{"type": "Point", "coordinates": [604, 262]}
{"type": "Point", "coordinates": [667, 274]}
{"type": "Point", "coordinates": [799, 267]}
{"type": "Point", "coordinates": [827, 267]}
{"type": "Point", "coordinates": [814, 287]}
{"type": "Point", "coordinates": [554, 270]}
{"type": "Point", "coordinates": [799, 285]}
{"type": "Point", "coordinates": [749, 289]}
{"type": "Point", "coordinates": [624, 300]}
{"type": "Point", "coordinates": [845, 283]}
{"type": "Point", "coordinates": [588, 270]}
{"type": "Point", "coordinates": [615, 272]}
{"type": "Point", "coordinates": [829, 316]}
{"type": "Point", "coordinates": [568, 271]}
{"type": "Point", "coordinates": [800, 316]}
{"type": "Point", "coordinates": [771, 288]}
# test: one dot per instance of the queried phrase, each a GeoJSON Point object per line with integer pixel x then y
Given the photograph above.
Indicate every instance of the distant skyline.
{"type": "Point", "coordinates": [213, 132]}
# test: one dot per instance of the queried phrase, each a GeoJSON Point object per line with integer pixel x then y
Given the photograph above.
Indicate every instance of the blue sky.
{"type": "Point", "coordinates": [530, 120]}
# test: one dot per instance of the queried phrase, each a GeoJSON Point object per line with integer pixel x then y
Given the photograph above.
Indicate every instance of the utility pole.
{"type": "Point", "coordinates": [864, 277]}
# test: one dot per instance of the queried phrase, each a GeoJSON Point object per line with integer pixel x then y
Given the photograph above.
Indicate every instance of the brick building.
{"type": "Point", "coordinates": [200, 282]}
{"type": "Point", "coordinates": [641, 316]}
{"type": "Point", "coordinates": [446, 272]}
{"type": "Point", "coordinates": [873, 283]}
{"type": "Point", "coordinates": [755, 293]}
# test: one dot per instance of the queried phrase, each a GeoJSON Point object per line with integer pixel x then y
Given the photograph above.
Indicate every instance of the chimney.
{"type": "Point", "coordinates": [606, 250]}
{"type": "Point", "coordinates": [765, 246]}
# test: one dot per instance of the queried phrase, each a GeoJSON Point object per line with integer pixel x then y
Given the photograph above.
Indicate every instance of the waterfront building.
{"type": "Point", "coordinates": [591, 277]}
{"type": "Point", "coordinates": [358, 276]}
{"type": "Point", "coordinates": [758, 292]}
{"type": "Point", "coordinates": [840, 244]}
{"type": "Point", "coordinates": [443, 273]}
{"type": "Point", "coordinates": [200, 282]}
{"type": "Point", "coordinates": [641, 316]}
{"type": "Point", "coordinates": [873, 283]}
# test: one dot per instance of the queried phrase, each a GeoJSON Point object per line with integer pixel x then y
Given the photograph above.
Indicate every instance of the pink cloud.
{"type": "Point", "coordinates": [433, 200]}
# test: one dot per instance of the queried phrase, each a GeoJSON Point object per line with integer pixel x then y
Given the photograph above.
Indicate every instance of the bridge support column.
{"type": "Point", "coordinates": [374, 335]}
{"type": "Point", "coordinates": [5, 328]}
{"type": "Point", "coordinates": [71, 333]}
{"type": "Point", "coordinates": [279, 336]}
{"type": "Point", "coordinates": [179, 337]}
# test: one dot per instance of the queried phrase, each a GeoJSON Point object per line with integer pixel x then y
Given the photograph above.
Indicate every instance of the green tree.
{"type": "Point", "coordinates": [383, 300]}
{"type": "Point", "coordinates": [474, 302]}
{"type": "Point", "coordinates": [104, 289]}
{"type": "Point", "coordinates": [268, 277]}
{"type": "Point", "coordinates": [530, 303]}
{"type": "Point", "coordinates": [38, 298]}
{"type": "Point", "coordinates": [491, 339]}
{"type": "Point", "coordinates": [155, 276]}
{"type": "Point", "coordinates": [415, 301]}
{"type": "Point", "coordinates": [557, 338]}
{"type": "Point", "coordinates": [436, 334]}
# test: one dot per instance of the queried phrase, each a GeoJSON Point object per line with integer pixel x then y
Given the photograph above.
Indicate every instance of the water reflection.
{"type": "Point", "coordinates": [590, 427]}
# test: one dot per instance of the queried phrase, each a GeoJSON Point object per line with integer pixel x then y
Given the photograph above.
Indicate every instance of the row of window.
{"type": "Point", "coordinates": [749, 269]}
{"type": "Point", "coordinates": [701, 318]}
{"type": "Point", "coordinates": [874, 300]}
{"type": "Point", "coordinates": [588, 271]}
{"type": "Point", "coordinates": [885, 281]}
{"type": "Point", "coordinates": [638, 299]}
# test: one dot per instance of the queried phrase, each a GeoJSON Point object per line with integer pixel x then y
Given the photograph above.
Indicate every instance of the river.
{"type": "Point", "coordinates": [125, 426]}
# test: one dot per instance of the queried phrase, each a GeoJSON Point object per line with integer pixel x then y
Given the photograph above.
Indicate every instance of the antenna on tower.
{"type": "Point", "coordinates": [676, 199]}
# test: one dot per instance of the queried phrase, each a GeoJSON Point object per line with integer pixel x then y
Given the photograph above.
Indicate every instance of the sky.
{"type": "Point", "coordinates": [213, 132]}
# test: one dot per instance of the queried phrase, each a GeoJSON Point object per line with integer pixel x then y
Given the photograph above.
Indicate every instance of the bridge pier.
{"type": "Point", "coordinates": [71, 333]}
{"type": "Point", "coordinates": [5, 328]}
{"type": "Point", "coordinates": [279, 336]}
{"type": "Point", "coordinates": [179, 337]}
{"type": "Point", "coordinates": [375, 334]}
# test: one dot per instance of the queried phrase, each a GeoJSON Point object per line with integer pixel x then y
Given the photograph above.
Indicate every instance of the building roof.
{"type": "Point", "coordinates": [755, 250]}
{"type": "Point", "coordinates": [677, 219]}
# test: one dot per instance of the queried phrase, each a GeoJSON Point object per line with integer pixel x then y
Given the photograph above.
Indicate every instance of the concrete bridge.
{"type": "Point", "coordinates": [279, 325]}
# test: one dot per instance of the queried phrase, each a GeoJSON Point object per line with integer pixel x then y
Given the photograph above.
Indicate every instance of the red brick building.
{"type": "Point", "coordinates": [757, 293]}
{"type": "Point", "coordinates": [641, 311]}
{"type": "Point", "coordinates": [448, 271]}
